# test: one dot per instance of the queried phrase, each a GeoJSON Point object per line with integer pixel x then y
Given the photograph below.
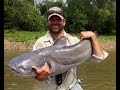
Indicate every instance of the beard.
{"type": "Point", "coordinates": [56, 29]}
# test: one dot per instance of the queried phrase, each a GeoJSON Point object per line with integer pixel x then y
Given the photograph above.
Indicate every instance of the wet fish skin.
{"type": "Point", "coordinates": [59, 57]}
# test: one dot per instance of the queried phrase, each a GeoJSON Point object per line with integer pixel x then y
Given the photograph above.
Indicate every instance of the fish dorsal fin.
{"type": "Point", "coordinates": [61, 42]}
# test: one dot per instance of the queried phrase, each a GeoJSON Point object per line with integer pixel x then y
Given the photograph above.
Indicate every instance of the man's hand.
{"type": "Point", "coordinates": [96, 47]}
{"type": "Point", "coordinates": [42, 73]}
{"type": "Point", "coordinates": [87, 34]}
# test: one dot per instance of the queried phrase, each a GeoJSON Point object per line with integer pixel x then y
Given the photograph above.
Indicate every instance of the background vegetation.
{"type": "Point", "coordinates": [94, 15]}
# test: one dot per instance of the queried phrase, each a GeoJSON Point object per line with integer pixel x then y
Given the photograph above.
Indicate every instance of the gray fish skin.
{"type": "Point", "coordinates": [59, 57]}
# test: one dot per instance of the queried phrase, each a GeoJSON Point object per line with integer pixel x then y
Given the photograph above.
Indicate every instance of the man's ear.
{"type": "Point", "coordinates": [64, 20]}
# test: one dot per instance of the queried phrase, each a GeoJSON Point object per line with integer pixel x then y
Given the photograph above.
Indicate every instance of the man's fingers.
{"type": "Point", "coordinates": [43, 72]}
{"type": "Point", "coordinates": [35, 68]}
{"type": "Point", "coordinates": [81, 38]}
{"type": "Point", "coordinates": [46, 68]}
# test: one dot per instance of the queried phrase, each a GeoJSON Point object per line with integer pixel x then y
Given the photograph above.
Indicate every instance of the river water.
{"type": "Point", "coordinates": [94, 76]}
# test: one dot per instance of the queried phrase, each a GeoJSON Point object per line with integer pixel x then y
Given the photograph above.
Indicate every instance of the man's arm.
{"type": "Point", "coordinates": [97, 51]}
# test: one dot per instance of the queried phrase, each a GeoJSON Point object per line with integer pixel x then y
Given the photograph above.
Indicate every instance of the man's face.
{"type": "Point", "coordinates": [56, 24]}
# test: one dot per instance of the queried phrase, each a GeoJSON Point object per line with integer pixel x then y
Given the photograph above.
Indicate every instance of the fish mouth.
{"type": "Point", "coordinates": [14, 71]}
{"type": "Point", "coordinates": [19, 73]}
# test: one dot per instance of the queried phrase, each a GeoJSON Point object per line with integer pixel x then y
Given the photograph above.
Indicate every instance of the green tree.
{"type": "Point", "coordinates": [45, 5]}
{"type": "Point", "coordinates": [76, 18]}
{"type": "Point", "coordinates": [23, 15]}
{"type": "Point", "coordinates": [95, 15]}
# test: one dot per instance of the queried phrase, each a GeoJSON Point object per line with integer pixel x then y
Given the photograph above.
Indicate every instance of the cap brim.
{"type": "Point", "coordinates": [55, 14]}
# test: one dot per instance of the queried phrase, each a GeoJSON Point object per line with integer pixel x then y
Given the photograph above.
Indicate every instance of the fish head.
{"type": "Point", "coordinates": [23, 68]}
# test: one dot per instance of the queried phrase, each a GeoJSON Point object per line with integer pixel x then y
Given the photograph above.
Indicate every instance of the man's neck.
{"type": "Point", "coordinates": [55, 36]}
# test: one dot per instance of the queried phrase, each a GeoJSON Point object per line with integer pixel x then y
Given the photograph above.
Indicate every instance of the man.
{"type": "Point", "coordinates": [67, 80]}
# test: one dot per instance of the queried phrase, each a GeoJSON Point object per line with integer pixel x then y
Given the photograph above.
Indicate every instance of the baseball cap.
{"type": "Point", "coordinates": [55, 11]}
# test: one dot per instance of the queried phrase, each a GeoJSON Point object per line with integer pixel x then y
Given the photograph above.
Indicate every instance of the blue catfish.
{"type": "Point", "coordinates": [59, 57]}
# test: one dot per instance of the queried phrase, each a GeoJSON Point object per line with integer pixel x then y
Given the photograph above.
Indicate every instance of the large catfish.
{"type": "Point", "coordinates": [59, 57]}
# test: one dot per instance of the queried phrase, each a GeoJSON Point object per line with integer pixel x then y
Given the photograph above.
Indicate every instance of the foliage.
{"type": "Point", "coordinates": [81, 15]}
{"type": "Point", "coordinates": [23, 15]}
{"type": "Point", "coordinates": [46, 4]}
{"type": "Point", "coordinates": [76, 18]}
{"type": "Point", "coordinates": [99, 15]}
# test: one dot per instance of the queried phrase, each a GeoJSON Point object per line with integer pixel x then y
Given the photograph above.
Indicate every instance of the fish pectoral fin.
{"type": "Point", "coordinates": [57, 68]}
{"type": "Point", "coordinates": [52, 66]}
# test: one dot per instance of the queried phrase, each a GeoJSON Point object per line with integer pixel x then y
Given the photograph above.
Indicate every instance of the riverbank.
{"type": "Point", "coordinates": [24, 40]}
{"type": "Point", "coordinates": [13, 45]}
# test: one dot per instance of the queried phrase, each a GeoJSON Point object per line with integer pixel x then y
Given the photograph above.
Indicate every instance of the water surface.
{"type": "Point", "coordinates": [94, 76]}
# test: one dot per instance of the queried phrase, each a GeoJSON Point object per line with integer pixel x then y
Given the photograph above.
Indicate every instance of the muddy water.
{"type": "Point", "coordinates": [94, 76]}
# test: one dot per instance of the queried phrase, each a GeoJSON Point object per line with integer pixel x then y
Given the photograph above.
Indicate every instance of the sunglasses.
{"type": "Point", "coordinates": [57, 11]}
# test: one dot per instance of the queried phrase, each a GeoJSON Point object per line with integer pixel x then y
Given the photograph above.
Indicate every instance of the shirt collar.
{"type": "Point", "coordinates": [49, 37]}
